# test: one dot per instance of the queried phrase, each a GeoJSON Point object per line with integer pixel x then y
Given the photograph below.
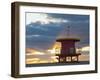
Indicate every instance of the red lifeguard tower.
{"type": "Point", "coordinates": [68, 49]}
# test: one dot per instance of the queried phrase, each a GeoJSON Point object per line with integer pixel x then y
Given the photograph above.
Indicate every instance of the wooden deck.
{"type": "Point", "coordinates": [64, 57]}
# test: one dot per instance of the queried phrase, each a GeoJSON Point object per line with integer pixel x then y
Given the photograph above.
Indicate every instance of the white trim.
{"type": "Point", "coordinates": [52, 69]}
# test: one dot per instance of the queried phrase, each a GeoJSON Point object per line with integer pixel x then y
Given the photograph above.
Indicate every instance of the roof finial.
{"type": "Point", "coordinates": [68, 31]}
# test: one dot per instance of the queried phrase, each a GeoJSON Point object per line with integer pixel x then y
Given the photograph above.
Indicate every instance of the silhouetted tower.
{"type": "Point", "coordinates": [67, 45]}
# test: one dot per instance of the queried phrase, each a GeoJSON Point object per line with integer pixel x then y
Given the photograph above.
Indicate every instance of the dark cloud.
{"type": "Point", "coordinates": [71, 17]}
{"type": "Point", "coordinates": [37, 37]}
{"type": "Point", "coordinates": [42, 36]}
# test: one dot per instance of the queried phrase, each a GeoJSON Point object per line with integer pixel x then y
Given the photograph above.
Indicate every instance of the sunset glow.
{"type": "Point", "coordinates": [40, 53]}
{"type": "Point", "coordinates": [51, 54]}
{"type": "Point", "coordinates": [85, 48]}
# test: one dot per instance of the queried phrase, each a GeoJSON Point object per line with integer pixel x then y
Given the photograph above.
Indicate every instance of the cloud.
{"type": "Point", "coordinates": [34, 56]}
{"type": "Point", "coordinates": [71, 17]}
{"type": "Point", "coordinates": [39, 41]}
{"type": "Point", "coordinates": [42, 18]}
{"type": "Point", "coordinates": [38, 35]}
{"type": "Point", "coordinates": [42, 29]}
{"type": "Point", "coordinates": [30, 36]}
{"type": "Point", "coordinates": [86, 48]}
{"type": "Point", "coordinates": [79, 21]}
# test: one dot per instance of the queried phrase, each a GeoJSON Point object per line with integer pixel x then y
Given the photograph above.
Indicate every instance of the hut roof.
{"type": "Point", "coordinates": [68, 39]}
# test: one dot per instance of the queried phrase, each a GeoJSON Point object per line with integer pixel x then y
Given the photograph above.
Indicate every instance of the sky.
{"type": "Point", "coordinates": [42, 29]}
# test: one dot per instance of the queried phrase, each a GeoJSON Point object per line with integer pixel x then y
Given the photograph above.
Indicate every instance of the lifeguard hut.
{"type": "Point", "coordinates": [68, 49]}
